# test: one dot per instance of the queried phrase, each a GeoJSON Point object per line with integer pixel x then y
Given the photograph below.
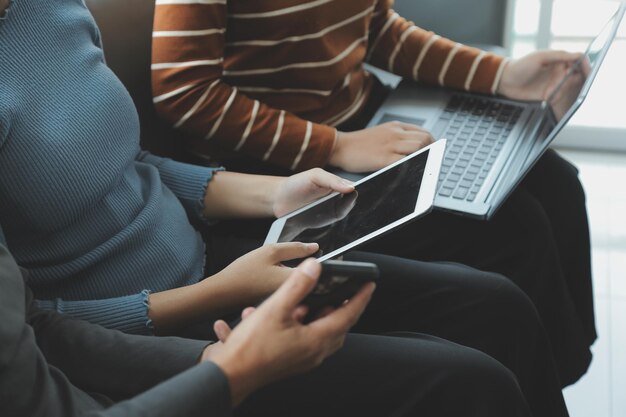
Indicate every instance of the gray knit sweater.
{"type": "Point", "coordinates": [96, 221]}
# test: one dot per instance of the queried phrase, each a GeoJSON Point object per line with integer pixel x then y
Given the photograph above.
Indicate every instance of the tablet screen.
{"type": "Point", "coordinates": [375, 203]}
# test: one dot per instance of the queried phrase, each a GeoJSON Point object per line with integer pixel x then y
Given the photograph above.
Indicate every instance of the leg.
{"type": "Point", "coordinates": [382, 376]}
{"type": "Point", "coordinates": [554, 183]}
{"type": "Point", "coordinates": [481, 310]}
{"type": "Point", "coordinates": [518, 243]}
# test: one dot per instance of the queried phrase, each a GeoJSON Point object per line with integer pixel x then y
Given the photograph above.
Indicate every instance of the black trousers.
{"type": "Point", "coordinates": [539, 239]}
{"type": "Point", "coordinates": [379, 376]}
{"type": "Point", "coordinates": [476, 310]}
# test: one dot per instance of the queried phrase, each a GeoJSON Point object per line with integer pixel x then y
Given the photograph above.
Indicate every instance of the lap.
{"type": "Point", "coordinates": [384, 375]}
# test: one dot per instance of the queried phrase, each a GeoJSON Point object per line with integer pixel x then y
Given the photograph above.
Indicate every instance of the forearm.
{"type": "Point", "coordinates": [201, 391]}
{"type": "Point", "coordinates": [188, 182]}
{"type": "Point", "coordinates": [233, 195]}
{"type": "Point", "coordinates": [205, 301]}
{"type": "Point", "coordinates": [215, 114]}
{"type": "Point", "coordinates": [407, 50]}
{"type": "Point", "coordinates": [110, 362]}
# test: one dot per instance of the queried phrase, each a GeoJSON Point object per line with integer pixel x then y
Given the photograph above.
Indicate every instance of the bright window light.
{"type": "Point", "coordinates": [571, 25]}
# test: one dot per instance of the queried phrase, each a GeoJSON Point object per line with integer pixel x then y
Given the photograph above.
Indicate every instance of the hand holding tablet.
{"type": "Point", "coordinates": [381, 202]}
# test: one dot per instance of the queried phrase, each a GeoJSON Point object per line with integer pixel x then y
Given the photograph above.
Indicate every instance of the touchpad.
{"type": "Point", "coordinates": [390, 117]}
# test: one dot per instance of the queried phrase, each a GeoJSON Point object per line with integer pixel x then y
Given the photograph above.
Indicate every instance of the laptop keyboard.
{"type": "Point", "coordinates": [476, 130]}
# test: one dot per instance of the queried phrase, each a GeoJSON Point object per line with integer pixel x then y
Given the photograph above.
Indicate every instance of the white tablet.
{"type": "Point", "coordinates": [381, 202]}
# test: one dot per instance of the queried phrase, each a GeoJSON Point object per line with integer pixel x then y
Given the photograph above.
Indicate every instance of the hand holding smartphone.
{"type": "Point", "coordinates": [338, 282]}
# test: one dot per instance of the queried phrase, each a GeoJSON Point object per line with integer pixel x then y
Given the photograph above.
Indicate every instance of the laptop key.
{"type": "Point", "coordinates": [445, 192]}
{"type": "Point", "coordinates": [460, 193]}
{"type": "Point", "coordinates": [470, 176]}
{"type": "Point", "coordinates": [454, 177]}
{"type": "Point", "coordinates": [465, 183]}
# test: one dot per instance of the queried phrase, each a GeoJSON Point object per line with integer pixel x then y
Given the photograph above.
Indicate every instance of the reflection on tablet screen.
{"type": "Point", "coordinates": [375, 203]}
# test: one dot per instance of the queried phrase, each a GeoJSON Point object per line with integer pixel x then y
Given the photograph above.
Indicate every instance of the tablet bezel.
{"type": "Point", "coordinates": [423, 205]}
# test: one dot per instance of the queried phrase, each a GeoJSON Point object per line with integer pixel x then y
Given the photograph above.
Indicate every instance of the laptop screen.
{"type": "Point", "coordinates": [573, 88]}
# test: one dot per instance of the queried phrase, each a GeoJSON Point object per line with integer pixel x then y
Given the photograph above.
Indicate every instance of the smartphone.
{"type": "Point", "coordinates": [338, 282]}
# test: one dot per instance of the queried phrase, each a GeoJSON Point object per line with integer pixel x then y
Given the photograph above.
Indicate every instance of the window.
{"type": "Point", "coordinates": [571, 25]}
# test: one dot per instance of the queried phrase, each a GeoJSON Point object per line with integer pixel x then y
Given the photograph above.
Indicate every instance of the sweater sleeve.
{"type": "Point", "coordinates": [49, 365]}
{"type": "Point", "coordinates": [128, 314]}
{"type": "Point", "coordinates": [188, 182]}
{"type": "Point", "coordinates": [398, 46]}
{"type": "Point", "coordinates": [189, 92]}
{"type": "Point", "coordinates": [202, 391]}
{"type": "Point", "coordinates": [125, 365]}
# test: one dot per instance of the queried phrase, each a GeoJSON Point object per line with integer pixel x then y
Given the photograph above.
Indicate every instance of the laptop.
{"type": "Point", "coordinates": [493, 142]}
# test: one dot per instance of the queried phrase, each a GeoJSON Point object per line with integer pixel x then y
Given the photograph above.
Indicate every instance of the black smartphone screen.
{"type": "Point", "coordinates": [338, 282]}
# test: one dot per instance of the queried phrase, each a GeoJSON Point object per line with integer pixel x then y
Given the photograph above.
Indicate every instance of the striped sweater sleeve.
{"type": "Point", "coordinates": [398, 46]}
{"type": "Point", "coordinates": [189, 92]}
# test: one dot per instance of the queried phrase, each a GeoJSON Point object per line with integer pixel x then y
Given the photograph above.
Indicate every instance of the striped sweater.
{"type": "Point", "coordinates": [273, 78]}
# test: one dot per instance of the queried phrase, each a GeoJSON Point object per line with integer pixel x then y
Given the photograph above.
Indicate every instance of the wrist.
{"type": "Point", "coordinates": [275, 209]}
{"type": "Point", "coordinates": [502, 78]}
{"type": "Point", "coordinates": [243, 377]}
{"type": "Point", "coordinates": [336, 154]}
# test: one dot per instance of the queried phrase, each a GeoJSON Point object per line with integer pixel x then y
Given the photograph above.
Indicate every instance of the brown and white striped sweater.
{"type": "Point", "coordinates": [270, 78]}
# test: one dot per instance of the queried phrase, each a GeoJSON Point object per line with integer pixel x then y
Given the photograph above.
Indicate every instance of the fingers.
{"type": "Point", "coordinates": [553, 57]}
{"type": "Point", "coordinates": [408, 146]}
{"type": "Point", "coordinates": [345, 205]}
{"type": "Point", "coordinates": [326, 180]}
{"type": "Point", "coordinates": [300, 313]}
{"type": "Point", "coordinates": [406, 126]}
{"type": "Point", "coordinates": [298, 285]}
{"type": "Point", "coordinates": [222, 330]}
{"type": "Point", "coordinates": [585, 66]}
{"type": "Point", "coordinates": [291, 250]}
{"type": "Point", "coordinates": [246, 312]}
{"type": "Point", "coordinates": [344, 317]}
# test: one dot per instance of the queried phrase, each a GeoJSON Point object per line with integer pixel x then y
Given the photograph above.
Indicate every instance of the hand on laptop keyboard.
{"type": "Point", "coordinates": [370, 149]}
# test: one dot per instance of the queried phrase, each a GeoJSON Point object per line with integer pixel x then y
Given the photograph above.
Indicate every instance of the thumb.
{"type": "Point", "coordinates": [293, 250]}
{"type": "Point", "coordinates": [296, 287]}
{"type": "Point", "coordinates": [222, 330]}
{"type": "Point", "coordinates": [326, 180]}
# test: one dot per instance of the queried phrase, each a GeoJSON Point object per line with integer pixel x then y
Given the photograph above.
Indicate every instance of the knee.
{"type": "Point", "coordinates": [564, 175]}
{"type": "Point", "coordinates": [485, 385]}
{"type": "Point", "coordinates": [483, 373]}
{"type": "Point", "coordinates": [509, 307]}
{"type": "Point", "coordinates": [515, 304]}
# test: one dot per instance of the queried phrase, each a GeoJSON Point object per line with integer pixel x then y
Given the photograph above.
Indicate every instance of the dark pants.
{"type": "Point", "coordinates": [539, 239]}
{"type": "Point", "coordinates": [475, 309]}
{"type": "Point", "coordinates": [525, 244]}
{"type": "Point", "coordinates": [378, 376]}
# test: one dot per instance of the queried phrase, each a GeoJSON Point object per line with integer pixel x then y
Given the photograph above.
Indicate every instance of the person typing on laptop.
{"type": "Point", "coordinates": [285, 100]}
